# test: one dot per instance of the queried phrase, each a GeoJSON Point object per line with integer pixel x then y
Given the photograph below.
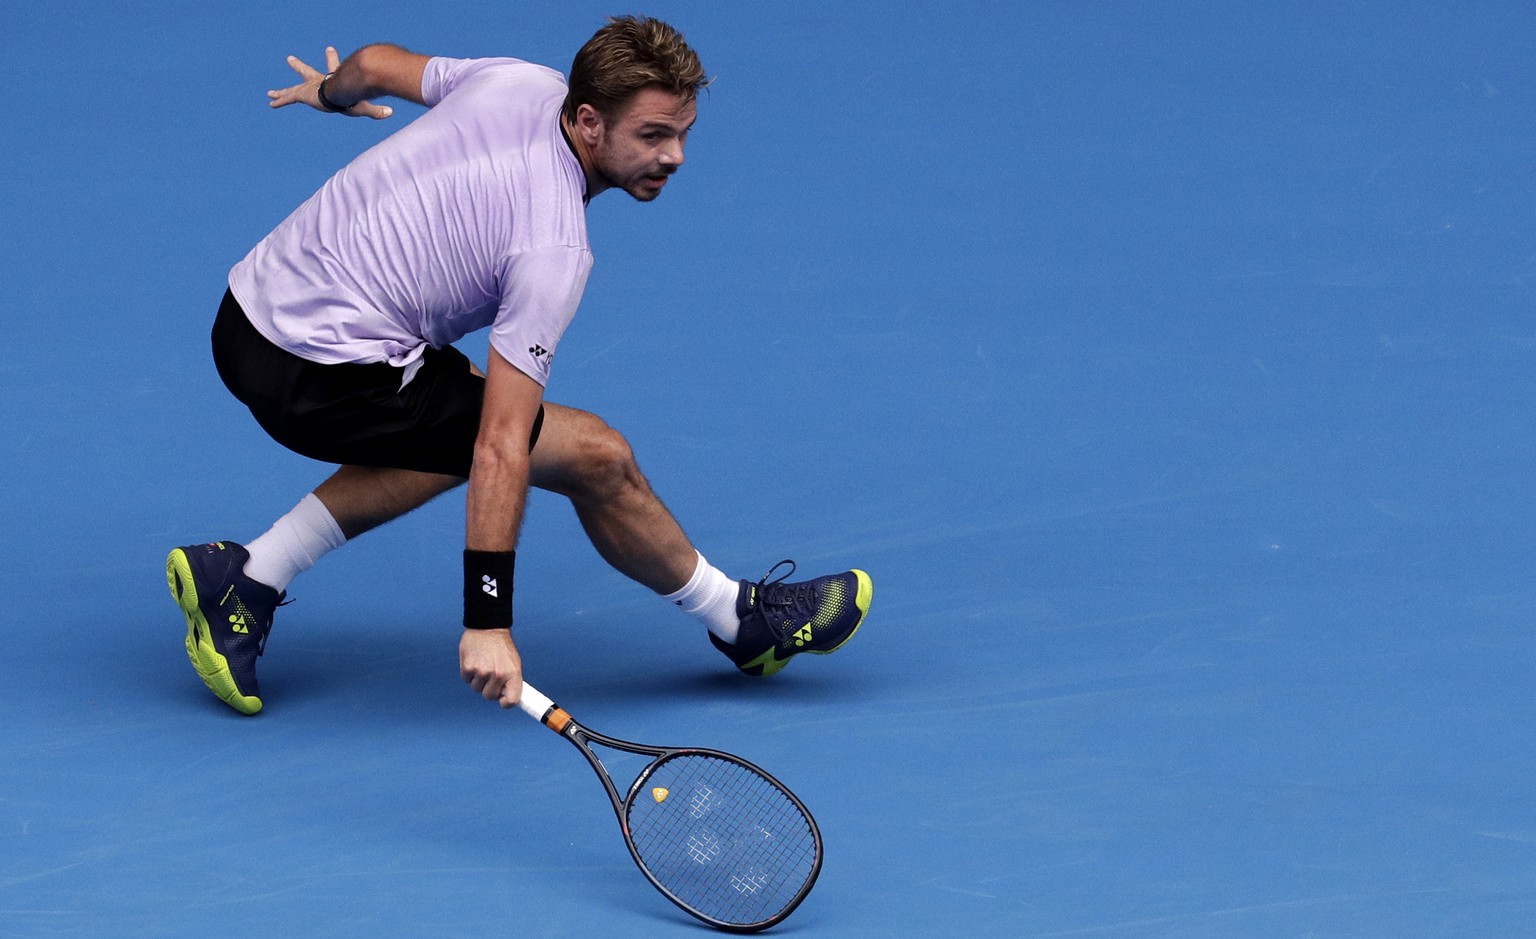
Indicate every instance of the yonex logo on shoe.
{"type": "Point", "coordinates": [489, 585]}
{"type": "Point", "coordinates": [803, 635]}
{"type": "Point", "coordinates": [238, 623]}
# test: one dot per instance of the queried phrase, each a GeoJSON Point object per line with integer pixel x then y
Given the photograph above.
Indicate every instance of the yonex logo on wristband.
{"type": "Point", "coordinates": [486, 604]}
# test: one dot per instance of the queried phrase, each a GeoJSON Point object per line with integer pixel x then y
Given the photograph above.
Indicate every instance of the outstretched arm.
{"type": "Point", "coordinates": [498, 490]}
{"type": "Point", "coordinates": [349, 87]}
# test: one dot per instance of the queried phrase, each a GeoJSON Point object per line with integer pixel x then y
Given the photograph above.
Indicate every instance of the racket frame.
{"type": "Point", "coordinates": [538, 706]}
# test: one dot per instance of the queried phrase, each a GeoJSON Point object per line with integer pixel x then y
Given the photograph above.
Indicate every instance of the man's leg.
{"type": "Point", "coordinates": [361, 498]}
{"type": "Point", "coordinates": [578, 456]}
{"type": "Point", "coordinates": [758, 626]}
{"type": "Point", "coordinates": [229, 592]}
{"type": "Point", "coordinates": [582, 458]}
{"type": "Point", "coordinates": [353, 500]}
{"type": "Point", "coordinates": [348, 415]}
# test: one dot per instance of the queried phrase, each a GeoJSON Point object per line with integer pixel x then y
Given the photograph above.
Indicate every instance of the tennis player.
{"type": "Point", "coordinates": [337, 333]}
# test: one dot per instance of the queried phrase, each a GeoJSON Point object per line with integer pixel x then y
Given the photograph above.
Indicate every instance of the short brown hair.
{"type": "Point", "coordinates": [628, 54]}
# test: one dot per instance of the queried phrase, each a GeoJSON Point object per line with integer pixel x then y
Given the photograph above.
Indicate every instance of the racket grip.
{"type": "Point", "coordinates": [543, 710]}
{"type": "Point", "coordinates": [534, 702]}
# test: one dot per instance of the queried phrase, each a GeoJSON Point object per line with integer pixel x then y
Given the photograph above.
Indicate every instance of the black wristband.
{"type": "Point", "coordinates": [327, 103]}
{"type": "Point", "coordinates": [488, 589]}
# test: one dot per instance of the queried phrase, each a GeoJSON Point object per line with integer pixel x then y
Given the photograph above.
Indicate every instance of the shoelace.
{"type": "Point", "coordinates": [261, 644]}
{"type": "Point", "coordinates": [796, 601]}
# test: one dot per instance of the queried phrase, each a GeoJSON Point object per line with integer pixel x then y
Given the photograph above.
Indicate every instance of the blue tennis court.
{"type": "Point", "coordinates": [1168, 365]}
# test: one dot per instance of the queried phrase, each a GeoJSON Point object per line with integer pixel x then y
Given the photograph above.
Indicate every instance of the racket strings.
{"type": "Point", "coordinates": [722, 838]}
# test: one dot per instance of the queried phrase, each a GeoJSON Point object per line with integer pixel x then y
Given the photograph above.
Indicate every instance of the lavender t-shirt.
{"type": "Point", "coordinates": [470, 216]}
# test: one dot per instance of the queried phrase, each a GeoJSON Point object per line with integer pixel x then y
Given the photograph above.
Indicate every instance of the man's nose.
{"type": "Point", "coordinates": [672, 154]}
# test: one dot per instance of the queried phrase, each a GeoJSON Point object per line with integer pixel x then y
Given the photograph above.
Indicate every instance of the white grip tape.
{"type": "Point", "coordinates": [534, 703]}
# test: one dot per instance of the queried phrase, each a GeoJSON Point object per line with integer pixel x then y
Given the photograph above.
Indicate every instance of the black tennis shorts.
{"type": "Point", "coordinates": [355, 414]}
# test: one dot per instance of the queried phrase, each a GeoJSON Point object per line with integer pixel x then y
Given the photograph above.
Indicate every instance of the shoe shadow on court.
{"type": "Point", "coordinates": [408, 669]}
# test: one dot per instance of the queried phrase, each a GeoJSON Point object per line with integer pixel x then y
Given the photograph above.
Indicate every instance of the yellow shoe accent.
{"type": "Point", "coordinates": [211, 667]}
{"type": "Point", "coordinates": [769, 662]}
{"type": "Point", "coordinates": [862, 599]}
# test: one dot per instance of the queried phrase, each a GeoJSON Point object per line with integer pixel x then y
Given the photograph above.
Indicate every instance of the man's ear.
{"type": "Point", "coordinates": [589, 124]}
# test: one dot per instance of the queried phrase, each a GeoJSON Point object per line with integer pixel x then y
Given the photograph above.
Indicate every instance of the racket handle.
{"type": "Point", "coordinates": [540, 708]}
{"type": "Point", "coordinates": [534, 702]}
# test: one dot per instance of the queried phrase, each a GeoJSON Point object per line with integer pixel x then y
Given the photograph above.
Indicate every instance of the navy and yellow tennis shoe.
{"type": "Point", "coordinates": [228, 618]}
{"type": "Point", "coordinates": [781, 620]}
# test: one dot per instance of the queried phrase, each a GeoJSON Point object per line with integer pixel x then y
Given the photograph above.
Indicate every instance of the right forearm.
{"type": "Point", "coordinates": [498, 491]}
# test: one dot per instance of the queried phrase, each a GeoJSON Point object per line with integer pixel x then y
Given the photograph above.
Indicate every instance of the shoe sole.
{"type": "Point", "coordinates": [771, 664]}
{"type": "Point", "coordinates": [211, 667]}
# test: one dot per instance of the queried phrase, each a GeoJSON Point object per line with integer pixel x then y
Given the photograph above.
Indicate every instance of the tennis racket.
{"type": "Point", "coordinates": [716, 835]}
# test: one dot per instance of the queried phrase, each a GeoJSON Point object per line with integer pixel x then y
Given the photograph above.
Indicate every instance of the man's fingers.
{"type": "Point", "coordinates": [285, 96]}
{"type": "Point", "coordinates": [505, 690]}
{"type": "Point", "coordinates": [300, 66]}
{"type": "Point", "coordinates": [332, 59]}
{"type": "Point", "coordinates": [489, 663]}
{"type": "Point", "coordinates": [492, 686]}
{"type": "Point", "coordinates": [511, 692]}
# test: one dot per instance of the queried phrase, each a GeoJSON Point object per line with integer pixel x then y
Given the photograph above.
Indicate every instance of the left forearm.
{"type": "Point", "coordinates": [376, 71]}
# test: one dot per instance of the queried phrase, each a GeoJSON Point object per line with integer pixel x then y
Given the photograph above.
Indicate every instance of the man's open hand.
{"type": "Point", "coordinates": [308, 91]}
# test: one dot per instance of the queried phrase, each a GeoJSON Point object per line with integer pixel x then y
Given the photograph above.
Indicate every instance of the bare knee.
{"type": "Point", "coordinates": [601, 466]}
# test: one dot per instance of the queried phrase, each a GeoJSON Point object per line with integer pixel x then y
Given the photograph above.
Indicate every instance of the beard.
{"type": "Point", "coordinates": [644, 189]}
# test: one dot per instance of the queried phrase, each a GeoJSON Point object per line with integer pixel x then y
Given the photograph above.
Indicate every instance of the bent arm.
{"type": "Point", "coordinates": [376, 71]}
{"type": "Point", "coordinates": [346, 87]}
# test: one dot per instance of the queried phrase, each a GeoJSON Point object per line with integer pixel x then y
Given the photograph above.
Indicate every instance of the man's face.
{"type": "Point", "coordinates": [642, 145]}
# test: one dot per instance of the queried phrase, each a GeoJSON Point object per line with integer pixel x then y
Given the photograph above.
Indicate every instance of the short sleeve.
{"type": "Point", "coordinates": [444, 74]}
{"type": "Point", "coordinates": [541, 290]}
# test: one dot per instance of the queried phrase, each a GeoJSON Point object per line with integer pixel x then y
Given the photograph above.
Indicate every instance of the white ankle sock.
{"type": "Point", "coordinates": [293, 544]}
{"type": "Point", "coordinates": [711, 596]}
